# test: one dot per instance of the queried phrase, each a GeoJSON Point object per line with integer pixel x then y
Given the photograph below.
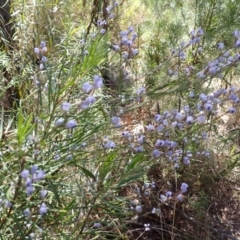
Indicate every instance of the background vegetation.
{"type": "Point", "coordinates": [119, 120]}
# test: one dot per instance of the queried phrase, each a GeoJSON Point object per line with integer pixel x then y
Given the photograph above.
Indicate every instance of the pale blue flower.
{"type": "Point", "coordinates": [168, 194]}
{"type": "Point", "coordinates": [208, 106]}
{"type": "Point", "coordinates": [109, 145]}
{"type": "Point", "coordinates": [190, 120]}
{"type": "Point", "coordinates": [139, 149]}
{"type": "Point", "coordinates": [33, 169]}
{"type": "Point", "coordinates": [220, 45]}
{"type": "Point", "coordinates": [138, 209]}
{"type": "Point", "coordinates": [71, 124]}
{"type": "Point", "coordinates": [87, 87]}
{"type": "Point", "coordinates": [43, 194]}
{"type": "Point", "coordinates": [65, 106]}
{"type": "Point", "coordinates": [97, 225]}
{"type": "Point", "coordinates": [29, 190]}
{"type": "Point", "coordinates": [135, 52]}
{"type": "Point", "coordinates": [97, 82]}
{"type": "Point", "coordinates": [25, 173]}
{"type": "Point", "coordinates": [59, 122]}
{"type": "Point", "coordinates": [43, 209]}
{"type": "Point", "coordinates": [116, 121]}
{"type": "Point", "coordinates": [102, 31]}
{"type": "Point", "coordinates": [180, 197]}
{"type": "Point", "coordinates": [27, 212]}
{"type": "Point", "coordinates": [40, 175]}
{"type": "Point", "coordinates": [184, 187]}
{"type": "Point", "coordinates": [232, 110]}
{"type": "Point", "coordinates": [147, 226]}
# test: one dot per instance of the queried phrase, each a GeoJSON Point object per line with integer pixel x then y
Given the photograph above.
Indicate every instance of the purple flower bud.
{"type": "Point", "coordinates": [27, 212]}
{"type": "Point", "coordinates": [186, 160]}
{"type": "Point", "coordinates": [237, 43]}
{"type": "Point", "coordinates": [44, 49]}
{"type": "Point", "coordinates": [43, 209]}
{"type": "Point", "coordinates": [36, 51]}
{"type": "Point", "coordinates": [109, 9]}
{"type": "Point", "coordinates": [208, 106]}
{"type": "Point", "coordinates": [201, 75]}
{"type": "Point", "coordinates": [160, 128]}
{"type": "Point", "coordinates": [213, 70]}
{"type": "Point", "coordinates": [44, 59]}
{"type": "Point", "coordinates": [135, 52]}
{"type": "Point", "coordinates": [159, 143]}
{"type": "Point", "coordinates": [123, 33]}
{"type": "Point", "coordinates": [65, 106]}
{"type": "Point", "coordinates": [176, 165]}
{"type": "Point", "coordinates": [232, 110]}
{"type": "Point", "coordinates": [134, 36]}
{"type": "Point", "coordinates": [203, 97]}
{"type": "Point", "coordinates": [87, 87]}
{"type": "Point", "coordinates": [116, 48]}
{"type": "Point", "coordinates": [186, 109]}
{"type": "Point", "coordinates": [87, 102]}
{"type": "Point", "coordinates": [220, 46]}
{"type": "Point", "coordinates": [42, 44]}
{"type": "Point", "coordinates": [168, 194]}
{"type": "Point", "coordinates": [71, 124]}
{"type": "Point", "coordinates": [33, 169]}
{"type": "Point", "coordinates": [139, 149]}
{"type": "Point", "coordinates": [129, 43]}
{"type": "Point", "coordinates": [102, 31]}
{"type": "Point", "coordinates": [184, 187]}
{"type": "Point", "coordinates": [97, 225]}
{"type": "Point", "coordinates": [138, 209]}
{"type": "Point", "coordinates": [150, 127]}
{"type": "Point", "coordinates": [156, 153]}
{"type": "Point", "coordinates": [8, 204]}
{"type": "Point", "coordinates": [59, 122]}
{"type": "Point", "coordinates": [158, 117]}
{"type": "Point", "coordinates": [201, 119]}
{"type": "Point", "coordinates": [140, 91]}
{"type": "Point", "coordinates": [43, 194]}
{"type": "Point", "coordinates": [200, 32]}
{"type": "Point", "coordinates": [116, 121]}
{"type": "Point", "coordinates": [141, 139]}
{"type": "Point", "coordinates": [126, 135]}
{"type": "Point", "coordinates": [163, 198]}
{"type": "Point", "coordinates": [179, 116]}
{"type": "Point", "coordinates": [40, 175]}
{"type": "Point", "coordinates": [173, 144]}
{"type": "Point", "coordinates": [109, 145]}
{"type": "Point", "coordinates": [130, 29]}
{"type": "Point", "coordinates": [180, 197]}
{"type": "Point", "coordinates": [28, 182]}
{"type": "Point", "coordinates": [190, 120]}
{"type": "Point", "coordinates": [29, 190]}
{"type": "Point", "coordinates": [125, 55]}
{"type": "Point", "coordinates": [97, 82]}
{"type": "Point", "coordinates": [25, 173]}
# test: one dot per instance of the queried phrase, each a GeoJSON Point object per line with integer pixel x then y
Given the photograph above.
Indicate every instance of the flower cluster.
{"type": "Point", "coordinates": [166, 145]}
{"type": "Point", "coordinates": [31, 177]}
{"type": "Point", "coordinates": [169, 195]}
{"type": "Point", "coordinates": [126, 43]}
{"type": "Point", "coordinates": [86, 103]}
{"type": "Point", "coordinates": [40, 51]}
{"type": "Point", "coordinates": [215, 67]}
{"type": "Point", "coordinates": [101, 24]}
